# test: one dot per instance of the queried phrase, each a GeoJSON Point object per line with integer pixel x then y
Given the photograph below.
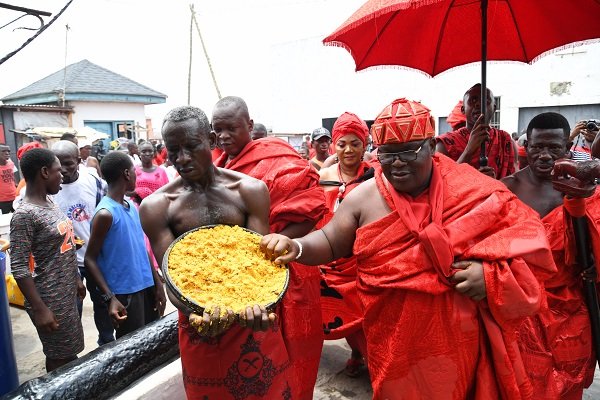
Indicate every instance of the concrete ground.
{"type": "Point", "coordinates": [332, 383]}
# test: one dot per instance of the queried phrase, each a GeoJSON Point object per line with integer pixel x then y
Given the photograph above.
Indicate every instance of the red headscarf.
{"type": "Point", "coordinates": [350, 124]}
{"type": "Point", "coordinates": [26, 147]}
{"type": "Point", "coordinates": [456, 117]}
{"type": "Point", "coordinates": [403, 121]}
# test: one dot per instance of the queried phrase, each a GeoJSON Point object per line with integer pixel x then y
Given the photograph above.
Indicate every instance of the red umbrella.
{"type": "Point", "coordinates": [433, 36]}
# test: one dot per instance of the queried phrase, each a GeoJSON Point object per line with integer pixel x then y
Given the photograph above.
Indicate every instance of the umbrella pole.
{"type": "Point", "coordinates": [585, 260]}
{"type": "Point", "coordinates": [483, 160]}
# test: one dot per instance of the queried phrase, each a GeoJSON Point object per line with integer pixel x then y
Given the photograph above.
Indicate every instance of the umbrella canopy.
{"type": "Point", "coordinates": [433, 36]}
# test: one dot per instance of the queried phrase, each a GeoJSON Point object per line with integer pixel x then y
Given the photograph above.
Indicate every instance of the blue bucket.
{"type": "Point", "coordinates": [9, 378]}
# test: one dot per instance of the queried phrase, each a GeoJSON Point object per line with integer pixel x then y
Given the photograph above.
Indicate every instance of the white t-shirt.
{"type": "Point", "coordinates": [78, 201]}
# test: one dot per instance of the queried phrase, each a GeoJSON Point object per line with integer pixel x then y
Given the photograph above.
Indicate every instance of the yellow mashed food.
{"type": "Point", "coordinates": [223, 266]}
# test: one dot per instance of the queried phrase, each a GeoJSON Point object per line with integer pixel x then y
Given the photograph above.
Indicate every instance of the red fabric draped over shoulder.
{"type": "Point", "coordinates": [295, 197]}
{"type": "Point", "coordinates": [426, 340]}
{"type": "Point", "coordinates": [501, 149]}
{"type": "Point", "coordinates": [557, 343]}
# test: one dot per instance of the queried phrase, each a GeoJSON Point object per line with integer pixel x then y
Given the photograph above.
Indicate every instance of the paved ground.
{"type": "Point", "coordinates": [332, 384]}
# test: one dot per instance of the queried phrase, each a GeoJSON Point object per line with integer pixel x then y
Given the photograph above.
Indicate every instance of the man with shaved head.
{"type": "Point", "coordinates": [258, 132]}
{"type": "Point", "coordinates": [80, 193]}
{"type": "Point", "coordinates": [464, 144]}
{"type": "Point", "coordinates": [297, 203]}
{"type": "Point", "coordinates": [206, 195]}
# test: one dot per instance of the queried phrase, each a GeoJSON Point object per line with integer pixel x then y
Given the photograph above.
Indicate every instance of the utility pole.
{"type": "Point", "coordinates": [212, 73]}
{"type": "Point", "coordinates": [190, 64]}
{"type": "Point", "coordinates": [64, 85]}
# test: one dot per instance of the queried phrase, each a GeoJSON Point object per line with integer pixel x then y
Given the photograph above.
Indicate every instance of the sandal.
{"type": "Point", "coordinates": [353, 367]}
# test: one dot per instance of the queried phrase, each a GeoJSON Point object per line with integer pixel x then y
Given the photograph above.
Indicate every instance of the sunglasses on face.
{"type": "Point", "coordinates": [405, 156]}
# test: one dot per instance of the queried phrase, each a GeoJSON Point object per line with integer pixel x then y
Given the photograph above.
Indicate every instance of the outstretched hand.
{"type": "Point", "coordinates": [279, 248]}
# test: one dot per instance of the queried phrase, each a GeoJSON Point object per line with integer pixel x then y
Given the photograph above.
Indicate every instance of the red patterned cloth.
{"type": "Point", "coordinates": [281, 363]}
{"type": "Point", "coordinates": [340, 306]}
{"type": "Point", "coordinates": [426, 340]}
{"type": "Point", "coordinates": [557, 343]}
{"type": "Point", "coordinates": [500, 149]}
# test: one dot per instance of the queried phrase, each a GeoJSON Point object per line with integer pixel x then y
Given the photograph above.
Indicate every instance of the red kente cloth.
{"type": "Point", "coordinates": [281, 363]}
{"type": "Point", "coordinates": [425, 340]}
{"type": "Point", "coordinates": [340, 306]}
{"type": "Point", "coordinates": [501, 152]}
{"type": "Point", "coordinates": [557, 343]}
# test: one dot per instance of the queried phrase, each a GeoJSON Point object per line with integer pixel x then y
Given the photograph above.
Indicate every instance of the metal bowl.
{"type": "Point", "coordinates": [191, 304]}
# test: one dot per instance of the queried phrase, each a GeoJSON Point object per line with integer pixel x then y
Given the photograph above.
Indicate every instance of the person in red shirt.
{"type": "Point", "coordinates": [7, 180]}
{"type": "Point", "coordinates": [464, 144]}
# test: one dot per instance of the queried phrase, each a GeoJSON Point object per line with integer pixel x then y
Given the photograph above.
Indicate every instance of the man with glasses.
{"type": "Point", "coordinates": [449, 264]}
{"type": "Point", "coordinates": [464, 144]}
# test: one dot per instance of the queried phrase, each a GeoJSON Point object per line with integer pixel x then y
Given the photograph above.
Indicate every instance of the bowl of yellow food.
{"type": "Point", "coordinates": [222, 265]}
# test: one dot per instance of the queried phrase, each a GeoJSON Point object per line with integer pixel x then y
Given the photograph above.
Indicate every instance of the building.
{"type": "Point", "coordinates": [81, 95]}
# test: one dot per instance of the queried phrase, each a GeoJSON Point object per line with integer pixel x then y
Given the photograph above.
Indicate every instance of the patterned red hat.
{"type": "Point", "coordinates": [403, 121]}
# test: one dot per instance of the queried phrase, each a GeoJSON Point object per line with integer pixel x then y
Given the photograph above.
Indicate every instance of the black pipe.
{"type": "Point", "coordinates": [483, 160]}
{"type": "Point", "coordinates": [109, 369]}
{"type": "Point", "coordinates": [586, 261]}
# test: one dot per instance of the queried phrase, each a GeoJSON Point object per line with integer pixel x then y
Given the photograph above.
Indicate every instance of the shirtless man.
{"type": "Point", "coordinates": [203, 195]}
{"type": "Point", "coordinates": [558, 340]}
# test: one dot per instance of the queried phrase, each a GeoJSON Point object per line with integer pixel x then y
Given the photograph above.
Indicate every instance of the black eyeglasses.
{"type": "Point", "coordinates": [405, 156]}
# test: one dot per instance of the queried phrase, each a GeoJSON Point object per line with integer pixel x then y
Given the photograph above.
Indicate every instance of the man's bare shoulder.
{"type": "Point", "coordinates": [230, 177]}
{"type": "Point", "coordinates": [515, 180]}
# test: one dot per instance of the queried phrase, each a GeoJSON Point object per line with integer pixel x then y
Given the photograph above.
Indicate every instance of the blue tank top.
{"type": "Point", "coordinates": [123, 258]}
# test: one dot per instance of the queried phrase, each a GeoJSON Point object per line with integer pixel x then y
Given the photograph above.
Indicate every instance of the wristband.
{"type": "Point", "coordinates": [299, 248]}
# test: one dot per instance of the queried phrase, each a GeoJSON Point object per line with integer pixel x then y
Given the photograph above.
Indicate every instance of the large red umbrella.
{"type": "Point", "coordinates": [433, 36]}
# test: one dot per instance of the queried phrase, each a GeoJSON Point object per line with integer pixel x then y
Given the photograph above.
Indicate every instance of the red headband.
{"type": "Point", "coordinates": [403, 121]}
{"type": "Point", "coordinates": [26, 147]}
{"type": "Point", "coordinates": [456, 116]}
{"type": "Point", "coordinates": [350, 124]}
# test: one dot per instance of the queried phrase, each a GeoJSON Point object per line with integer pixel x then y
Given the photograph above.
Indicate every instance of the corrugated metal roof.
{"type": "Point", "coordinates": [38, 106]}
{"type": "Point", "coordinates": [85, 77]}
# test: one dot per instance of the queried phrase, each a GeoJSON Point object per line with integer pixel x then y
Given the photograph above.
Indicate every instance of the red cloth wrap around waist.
{"type": "Point", "coordinates": [556, 344]}
{"type": "Point", "coordinates": [295, 198]}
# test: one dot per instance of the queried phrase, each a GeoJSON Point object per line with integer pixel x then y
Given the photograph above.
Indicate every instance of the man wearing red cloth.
{"type": "Point", "coordinates": [464, 145]}
{"type": "Point", "coordinates": [220, 360]}
{"type": "Point", "coordinates": [449, 265]}
{"type": "Point", "coordinates": [297, 203]}
{"type": "Point", "coordinates": [556, 344]}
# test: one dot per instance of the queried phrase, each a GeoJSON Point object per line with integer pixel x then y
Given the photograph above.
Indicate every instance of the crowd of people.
{"type": "Point", "coordinates": [448, 278]}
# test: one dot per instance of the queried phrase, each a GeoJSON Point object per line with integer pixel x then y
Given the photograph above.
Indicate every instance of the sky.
{"type": "Point", "coordinates": [148, 42]}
